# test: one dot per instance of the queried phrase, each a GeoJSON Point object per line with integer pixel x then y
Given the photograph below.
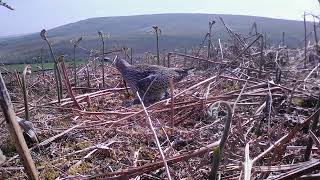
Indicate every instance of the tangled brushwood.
{"type": "Point", "coordinates": [271, 94]}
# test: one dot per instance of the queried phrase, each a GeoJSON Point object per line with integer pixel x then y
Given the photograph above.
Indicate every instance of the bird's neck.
{"type": "Point", "coordinates": [122, 65]}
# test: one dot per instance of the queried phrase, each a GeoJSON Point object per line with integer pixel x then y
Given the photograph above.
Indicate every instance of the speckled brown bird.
{"type": "Point", "coordinates": [151, 81]}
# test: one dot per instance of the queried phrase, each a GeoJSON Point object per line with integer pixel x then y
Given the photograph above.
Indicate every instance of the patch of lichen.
{"type": "Point", "coordinates": [82, 145]}
{"type": "Point", "coordinates": [82, 168]}
{"type": "Point", "coordinates": [19, 175]}
{"type": "Point", "coordinates": [304, 102]}
{"type": "Point", "coordinates": [49, 173]}
{"type": "Point", "coordinates": [8, 147]}
{"type": "Point", "coordinates": [61, 122]}
{"type": "Point", "coordinates": [297, 101]}
{"type": "Point", "coordinates": [93, 135]}
{"type": "Point", "coordinates": [231, 86]}
{"type": "Point", "coordinates": [147, 155]}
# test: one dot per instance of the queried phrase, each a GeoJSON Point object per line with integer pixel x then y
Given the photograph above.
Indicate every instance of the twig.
{"type": "Point", "coordinates": [98, 146]}
{"type": "Point", "coordinates": [284, 139]}
{"type": "Point", "coordinates": [156, 165]}
{"type": "Point", "coordinates": [67, 82]}
{"type": "Point", "coordinates": [305, 79]}
{"type": "Point", "coordinates": [235, 103]}
{"type": "Point", "coordinates": [196, 57]}
{"type": "Point", "coordinates": [25, 91]}
{"type": "Point", "coordinates": [75, 45]}
{"type": "Point", "coordinates": [172, 105]}
{"type": "Point", "coordinates": [262, 63]}
{"type": "Point", "coordinates": [6, 5]}
{"type": "Point", "coordinates": [57, 75]}
{"type": "Point", "coordinates": [293, 174]}
{"type": "Point", "coordinates": [201, 45]}
{"type": "Point", "coordinates": [221, 50]}
{"type": "Point", "coordinates": [247, 163]}
{"type": "Point", "coordinates": [218, 151]}
{"type": "Point", "coordinates": [305, 40]}
{"type": "Point", "coordinates": [155, 136]}
{"type": "Point", "coordinates": [102, 35]}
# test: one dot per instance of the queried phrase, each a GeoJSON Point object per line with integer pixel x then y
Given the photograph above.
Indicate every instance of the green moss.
{"type": "Point", "coordinates": [231, 87]}
{"type": "Point", "coordinates": [80, 169]}
{"type": "Point", "coordinates": [8, 147]}
{"type": "Point", "coordinates": [146, 155]}
{"type": "Point", "coordinates": [297, 101]}
{"type": "Point", "coordinates": [82, 145]}
{"type": "Point", "coordinates": [49, 173]}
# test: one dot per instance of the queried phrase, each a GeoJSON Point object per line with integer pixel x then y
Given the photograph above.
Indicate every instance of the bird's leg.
{"type": "Point", "coordinates": [129, 103]}
{"type": "Point", "coordinates": [136, 101]}
{"type": "Point", "coordinates": [125, 84]}
{"type": "Point", "coordinates": [145, 102]}
{"type": "Point", "coordinates": [166, 96]}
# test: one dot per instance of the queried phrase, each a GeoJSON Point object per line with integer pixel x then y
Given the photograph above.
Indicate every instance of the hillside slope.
{"type": "Point", "coordinates": [178, 31]}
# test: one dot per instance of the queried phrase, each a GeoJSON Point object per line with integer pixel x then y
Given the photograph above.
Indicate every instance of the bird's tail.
{"type": "Point", "coordinates": [190, 70]}
{"type": "Point", "coordinates": [186, 71]}
{"type": "Point", "coordinates": [183, 73]}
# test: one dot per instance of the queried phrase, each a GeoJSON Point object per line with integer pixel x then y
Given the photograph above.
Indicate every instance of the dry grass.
{"type": "Point", "coordinates": [112, 141]}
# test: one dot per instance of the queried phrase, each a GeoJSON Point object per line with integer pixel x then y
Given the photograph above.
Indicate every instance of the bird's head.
{"type": "Point", "coordinates": [120, 64]}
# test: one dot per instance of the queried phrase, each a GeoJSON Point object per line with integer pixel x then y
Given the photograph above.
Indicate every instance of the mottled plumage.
{"type": "Point", "coordinates": [151, 81]}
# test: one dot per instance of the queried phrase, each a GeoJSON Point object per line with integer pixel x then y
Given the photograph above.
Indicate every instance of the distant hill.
{"type": "Point", "coordinates": [178, 31]}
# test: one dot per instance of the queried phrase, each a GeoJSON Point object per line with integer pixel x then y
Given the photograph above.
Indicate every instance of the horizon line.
{"type": "Point", "coordinates": [199, 13]}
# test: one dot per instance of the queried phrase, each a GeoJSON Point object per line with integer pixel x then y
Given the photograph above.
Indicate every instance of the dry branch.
{"type": "Point", "coordinates": [15, 131]}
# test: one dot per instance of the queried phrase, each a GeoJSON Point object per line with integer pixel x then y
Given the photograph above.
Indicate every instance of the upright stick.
{"type": "Point", "coordinates": [103, 80]}
{"type": "Point", "coordinates": [315, 36]}
{"type": "Point", "coordinates": [261, 56]}
{"type": "Point", "coordinates": [211, 23]}
{"type": "Point", "coordinates": [42, 63]}
{"type": "Point", "coordinates": [156, 137]}
{"type": "Point", "coordinates": [169, 54]}
{"type": "Point", "coordinates": [218, 151]}
{"type": "Point", "coordinates": [172, 105]}
{"type": "Point", "coordinates": [157, 30]}
{"type": "Point", "coordinates": [67, 82]}
{"type": "Point", "coordinates": [57, 75]}
{"type": "Point", "coordinates": [221, 50]}
{"type": "Point", "coordinates": [131, 56]}
{"type": "Point", "coordinates": [25, 92]}
{"type": "Point", "coordinates": [305, 40]}
{"type": "Point", "coordinates": [283, 38]}
{"type": "Point", "coordinates": [15, 132]}
{"type": "Point", "coordinates": [158, 53]}
{"type": "Point", "coordinates": [74, 66]}
{"type": "Point", "coordinates": [102, 62]}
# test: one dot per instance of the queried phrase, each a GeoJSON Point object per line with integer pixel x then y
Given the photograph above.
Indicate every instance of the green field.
{"type": "Point", "coordinates": [37, 66]}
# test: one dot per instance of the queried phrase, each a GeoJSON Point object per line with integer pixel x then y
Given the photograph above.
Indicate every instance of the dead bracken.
{"type": "Point", "coordinates": [87, 133]}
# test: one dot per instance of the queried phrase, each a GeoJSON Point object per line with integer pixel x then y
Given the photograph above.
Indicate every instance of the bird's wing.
{"type": "Point", "coordinates": [145, 83]}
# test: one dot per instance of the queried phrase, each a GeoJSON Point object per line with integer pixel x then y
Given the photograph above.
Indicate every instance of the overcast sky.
{"type": "Point", "coordinates": [33, 15]}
